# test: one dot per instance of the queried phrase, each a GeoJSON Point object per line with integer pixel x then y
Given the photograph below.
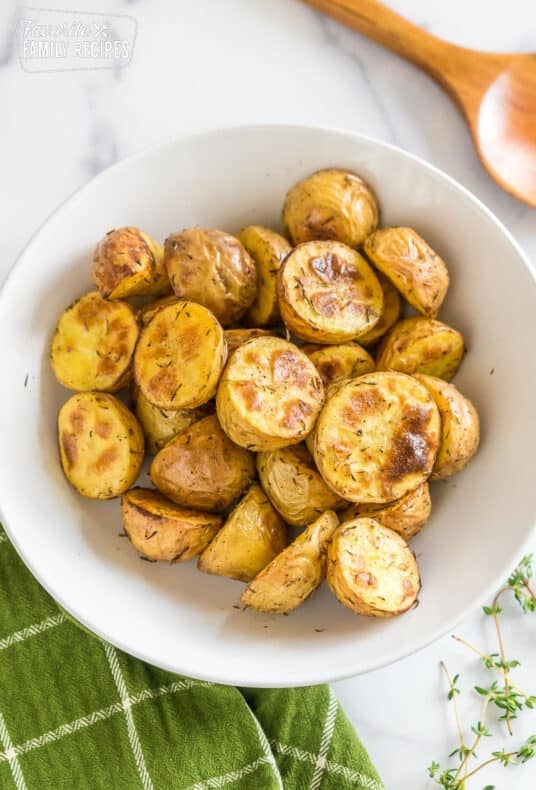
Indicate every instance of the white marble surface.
{"type": "Point", "coordinates": [206, 63]}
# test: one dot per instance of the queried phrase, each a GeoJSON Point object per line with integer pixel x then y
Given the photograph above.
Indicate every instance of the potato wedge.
{"type": "Point", "coordinates": [160, 530]}
{"type": "Point", "coordinates": [372, 570]}
{"type": "Point", "coordinates": [201, 468]}
{"type": "Point", "coordinates": [268, 249]}
{"type": "Point", "coordinates": [93, 344]}
{"type": "Point", "coordinates": [407, 515]}
{"type": "Point", "coordinates": [338, 363]}
{"type": "Point", "coordinates": [295, 573]}
{"type": "Point", "coordinates": [390, 315]}
{"type": "Point", "coordinates": [269, 395]}
{"type": "Point", "coordinates": [101, 444]}
{"type": "Point", "coordinates": [212, 268]}
{"type": "Point", "coordinates": [128, 262]}
{"type": "Point", "coordinates": [148, 311]}
{"type": "Point", "coordinates": [180, 356]}
{"type": "Point", "coordinates": [412, 266]}
{"type": "Point", "coordinates": [460, 427]}
{"type": "Point", "coordinates": [294, 486]}
{"type": "Point", "coordinates": [377, 437]}
{"type": "Point", "coordinates": [161, 425]}
{"type": "Point", "coordinates": [420, 345]}
{"type": "Point", "coordinates": [250, 538]}
{"type": "Point", "coordinates": [328, 293]}
{"type": "Point", "coordinates": [330, 204]}
{"type": "Point", "coordinates": [237, 337]}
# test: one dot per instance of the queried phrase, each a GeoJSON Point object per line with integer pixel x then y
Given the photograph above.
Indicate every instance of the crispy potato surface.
{"type": "Point", "coordinates": [128, 262]}
{"type": "Point", "coordinates": [330, 204]}
{"type": "Point", "coordinates": [421, 345]}
{"type": "Point", "coordinates": [269, 395]}
{"type": "Point", "coordinates": [160, 530]}
{"type": "Point", "coordinates": [296, 572]}
{"type": "Point", "coordinates": [390, 314]}
{"type": "Point", "coordinates": [148, 311]}
{"type": "Point", "coordinates": [161, 425]}
{"type": "Point", "coordinates": [236, 337]}
{"type": "Point", "coordinates": [268, 249]}
{"type": "Point", "coordinates": [377, 437]}
{"type": "Point", "coordinates": [407, 515]}
{"type": "Point", "coordinates": [180, 356]}
{"type": "Point", "coordinates": [101, 444]}
{"type": "Point", "coordinates": [328, 293]}
{"type": "Point", "coordinates": [213, 268]}
{"type": "Point", "coordinates": [93, 344]}
{"type": "Point", "coordinates": [338, 363]}
{"type": "Point", "coordinates": [371, 569]}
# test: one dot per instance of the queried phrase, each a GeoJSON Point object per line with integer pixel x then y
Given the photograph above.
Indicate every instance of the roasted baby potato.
{"type": "Point", "coordinates": [268, 249]}
{"type": "Point", "coordinates": [180, 356]}
{"type": "Point", "coordinates": [93, 344]}
{"type": "Point", "coordinates": [212, 268]}
{"type": "Point", "coordinates": [202, 468]}
{"type": "Point", "coordinates": [412, 266]}
{"type": "Point", "coordinates": [328, 293]}
{"type": "Point", "coordinates": [128, 262]}
{"type": "Point", "coordinates": [295, 573]}
{"type": "Point", "coordinates": [377, 437]}
{"type": "Point", "coordinates": [236, 337]}
{"type": "Point", "coordinates": [269, 395]}
{"type": "Point", "coordinates": [460, 427]}
{"type": "Point", "coordinates": [390, 315]}
{"type": "Point", "coordinates": [330, 204]}
{"type": "Point", "coordinates": [160, 425]}
{"type": "Point", "coordinates": [371, 569]}
{"type": "Point", "coordinates": [160, 530]}
{"type": "Point", "coordinates": [337, 363]}
{"type": "Point", "coordinates": [294, 486]}
{"type": "Point", "coordinates": [250, 538]}
{"type": "Point", "coordinates": [407, 515]}
{"type": "Point", "coordinates": [148, 311]}
{"type": "Point", "coordinates": [421, 345]}
{"type": "Point", "coordinates": [101, 444]}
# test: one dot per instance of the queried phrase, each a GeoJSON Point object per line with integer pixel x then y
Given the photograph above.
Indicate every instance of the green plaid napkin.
{"type": "Point", "coordinates": [77, 713]}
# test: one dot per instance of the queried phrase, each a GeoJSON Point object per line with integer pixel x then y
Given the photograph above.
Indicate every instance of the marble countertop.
{"type": "Point", "coordinates": [208, 64]}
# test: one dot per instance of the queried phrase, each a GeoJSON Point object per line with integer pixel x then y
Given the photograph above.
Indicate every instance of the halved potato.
{"type": "Point", "coordinates": [422, 345]}
{"type": "Point", "coordinates": [390, 315]}
{"type": "Point", "coordinates": [460, 427]}
{"type": "Point", "coordinates": [101, 444]}
{"type": "Point", "coordinates": [294, 486]}
{"type": "Point", "coordinates": [412, 266]}
{"type": "Point", "coordinates": [296, 572]}
{"type": "Point", "coordinates": [337, 363]}
{"type": "Point", "coordinates": [372, 570]}
{"type": "Point", "coordinates": [148, 311]}
{"type": "Point", "coordinates": [377, 437]}
{"type": "Point", "coordinates": [180, 356]}
{"type": "Point", "coordinates": [93, 344]}
{"type": "Point", "coordinates": [269, 395]}
{"type": "Point", "coordinates": [268, 249]}
{"type": "Point", "coordinates": [128, 262]}
{"type": "Point", "coordinates": [160, 530]}
{"type": "Point", "coordinates": [407, 515]}
{"type": "Point", "coordinates": [250, 538]}
{"type": "Point", "coordinates": [236, 337]}
{"type": "Point", "coordinates": [213, 268]}
{"type": "Point", "coordinates": [161, 425]}
{"type": "Point", "coordinates": [328, 293]}
{"type": "Point", "coordinates": [330, 204]}
{"type": "Point", "coordinates": [202, 468]}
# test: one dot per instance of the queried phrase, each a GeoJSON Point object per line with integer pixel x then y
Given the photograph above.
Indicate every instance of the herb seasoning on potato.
{"type": "Point", "coordinates": [128, 262]}
{"type": "Point", "coordinates": [268, 249]}
{"type": "Point", "coordinates": [161, 425]}
{"type": "Point", "coordinates": [338, 363]}
{"type": "Point", "coordinates": [407, 515]}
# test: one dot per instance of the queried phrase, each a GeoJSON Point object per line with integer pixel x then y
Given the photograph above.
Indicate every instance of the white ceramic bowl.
{"type": "Point", "coordinates": [174, 616]}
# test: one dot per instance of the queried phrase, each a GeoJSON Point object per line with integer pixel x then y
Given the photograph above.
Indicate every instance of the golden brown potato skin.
{"type": "Point", "coordinates": [390, 314]}
{"type": "Point", "coordinates": [377, 437]}
{"type": "Point", "coordinates": [328, 293]}
{"type": "Point", "coordinates": [460, 427]}
{"type": "Point", "coordinates": [412, 266]}
{"type": "Point", "coordinates": [269, 395]}
{"type": "Point", "coordinates": [268, 249]}
{"type": "Point", "coordinates": [101, 445]}
{"type": "Point", "coordinates": [330, 204]}
{"type": "Point", "coordinates": [338, 363]}
{"type": "Point", "coordinates": [237, 337]}
{"type": "Point", "coordinates": [295, 573]}
{"type": "Point", "coordinates": [128, 262]}
{"type": "Point", "coordinates": [294, 486]}
{"type": "Point", "coordinates": [213, 268]}
{"type": "Point", "coordinates": [148, 311]}
{"type": "Point", "coordinates": [160, 425]}
{"type": "Point", "coordinates": [421, 345]}
{"type": "Point", "coordinates": [407, 515]}
{"type": "Point", "coordinates": [160, 530]}
{"type": "Point", "coordinates": [250, 538]}
{"type": "Point", "coordinates": [371, 569]}
{"type": "Point", "coordinates": [201, 468]}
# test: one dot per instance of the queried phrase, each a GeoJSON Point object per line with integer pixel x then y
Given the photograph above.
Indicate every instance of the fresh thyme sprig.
{"type": "Point", "coordinates": [504, 695]}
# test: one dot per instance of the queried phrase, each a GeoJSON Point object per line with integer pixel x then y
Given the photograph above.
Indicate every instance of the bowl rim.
{"type": "Point", "coordinates": [206, 132]}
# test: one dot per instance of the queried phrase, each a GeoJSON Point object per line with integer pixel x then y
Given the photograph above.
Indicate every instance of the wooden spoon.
{"type": "Point", "coordinates": [496, 92]}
